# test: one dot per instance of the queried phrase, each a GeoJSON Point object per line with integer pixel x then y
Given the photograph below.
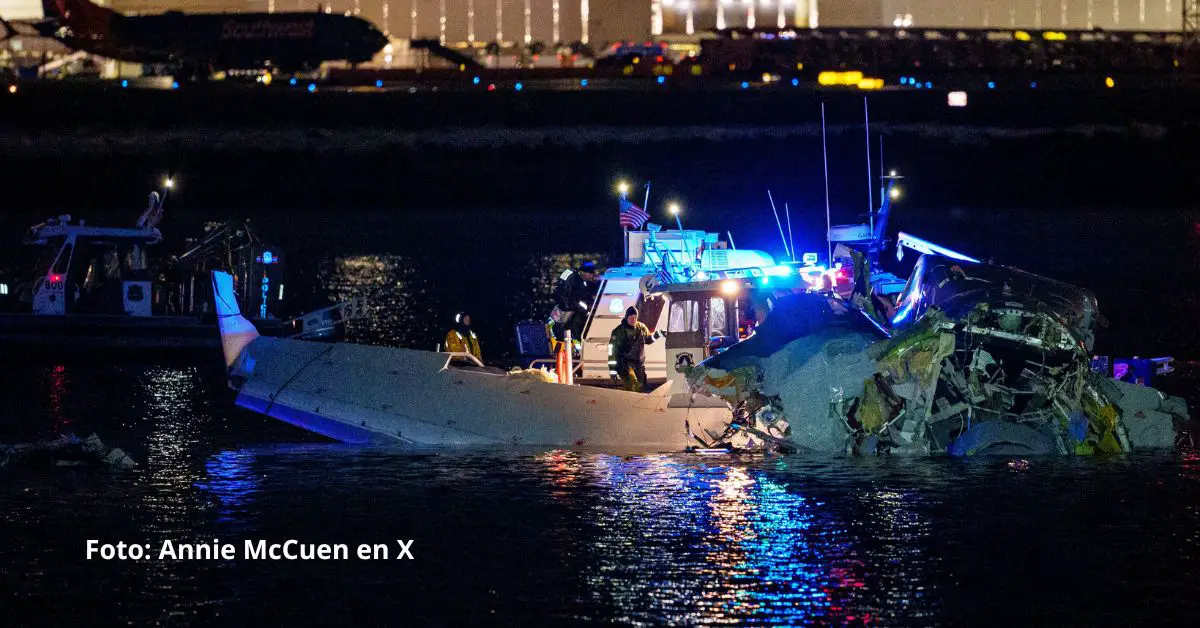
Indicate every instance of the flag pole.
{"type": "Point", "coordinates": [624, 227]}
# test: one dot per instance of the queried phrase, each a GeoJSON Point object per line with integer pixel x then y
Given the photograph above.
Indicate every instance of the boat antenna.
{"type": "Point", "coordinates": [782, 237]}
{"type": "Point", "coordinates": [870, 183]}
{"type": "Point", "coordinates": [882, 174]}
{"type": "Point", "coordinates": [791, 240]}
{"type": "Point", "coordinates": [731, 244]}
{"type": "Point", "coordinates": [825, 158]}
{"type": "Point", "coordinates": [646, 203]}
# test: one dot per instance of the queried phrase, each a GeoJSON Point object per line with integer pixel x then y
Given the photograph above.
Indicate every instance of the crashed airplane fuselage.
{"type": "Point", "coordinates": [360, 394]}
{"type": "Point", "coordinates": [981, 359]}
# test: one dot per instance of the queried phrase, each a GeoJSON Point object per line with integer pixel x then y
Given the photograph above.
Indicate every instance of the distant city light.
{"type": "Point", "coordinates": [519, 86]}
{"type": "Point", "coordinates": [745, 85]}
{"type": "Point", "coordinates": [266, 78]}
{"type": "Point", "coordinates": [583, 82]}
{"type": "Point", "coordinates": [293, 81]}
{"type": "Point", "coordinates": [12, 89]}
{"type": "Point", "coordinates": [1033, 85]}
{"type": "Point", "coordinates": [378, 83]}
{"type": "Point", "coordinates": [124, 83]}
{"type": "Point", "coordinates": [928, 85]}
{"type": "Point", "coordinates": [991, 84]}
{"type": "Point", "coordinates": [795, 82]}
{"type": "Point", "coordinates": [312, 87]}
{"type": "Point", "coordinates": [475, 81]}
{"type": "Point", "coordinates": [1109, 82]}
{"type": "Point", "coordinates": [662, 79]}
{"type": "Point", "coordinates": [175, 85]}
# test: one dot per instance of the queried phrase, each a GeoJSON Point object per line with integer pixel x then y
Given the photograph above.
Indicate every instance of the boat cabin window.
{"type": "Point", "coordinates": [717, 320]}
{"type": "Point", "coordinates": [64, 259]}
{"type": "Point", "coordinates": [649, 310]}
{"type": "Point", "coordinates": [685, 316]}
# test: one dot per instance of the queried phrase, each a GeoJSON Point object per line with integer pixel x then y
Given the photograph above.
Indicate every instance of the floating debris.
{"type": "Point", "coordinates": [65, 451]}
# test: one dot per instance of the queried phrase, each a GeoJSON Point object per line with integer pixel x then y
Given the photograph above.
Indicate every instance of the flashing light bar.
{"type": "Point", "coordinates": [929, 248]}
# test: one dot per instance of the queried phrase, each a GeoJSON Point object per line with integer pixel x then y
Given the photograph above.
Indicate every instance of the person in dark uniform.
{"type": "Point", "coordinates": [573, 296]}
{"type": "Point", "coordinates": [627, 351]}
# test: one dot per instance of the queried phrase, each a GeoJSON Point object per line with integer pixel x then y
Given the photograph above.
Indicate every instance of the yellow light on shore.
{"type": "Point", "coordinates": [12, 89]}
{"type": "Point", "coordinates": [266, 78]}
{"type": "Point", "coordinates": [169, 183]}
{"type": "Point", "coordinates": [1109, 82]}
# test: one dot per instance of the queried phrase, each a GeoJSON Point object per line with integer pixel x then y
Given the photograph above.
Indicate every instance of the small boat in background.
{"type": "Point", "coordinates": [93, 287]}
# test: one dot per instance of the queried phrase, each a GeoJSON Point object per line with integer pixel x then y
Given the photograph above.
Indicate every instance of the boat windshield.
{"type": "Point", "coordinates": [46, 256]}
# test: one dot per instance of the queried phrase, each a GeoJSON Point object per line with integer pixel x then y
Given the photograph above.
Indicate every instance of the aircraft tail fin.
{"type": "Point", "coordinates": [236, 332]}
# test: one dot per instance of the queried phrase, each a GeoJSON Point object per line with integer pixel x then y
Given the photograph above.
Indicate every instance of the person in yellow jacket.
{"type": "Point", "coordinates": [461, 339]}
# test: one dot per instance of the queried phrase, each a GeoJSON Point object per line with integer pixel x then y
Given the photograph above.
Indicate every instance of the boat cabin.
{"type": "Point", "coordinates": [91, 270]}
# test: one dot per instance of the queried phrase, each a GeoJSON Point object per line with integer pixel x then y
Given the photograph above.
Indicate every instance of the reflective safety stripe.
{"type": "Point", "coordinates": [566, 273]}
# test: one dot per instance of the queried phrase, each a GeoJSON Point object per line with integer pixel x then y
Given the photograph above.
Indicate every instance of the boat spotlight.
{"type": "Point", "coordinates": [623, 187]}
{"type": "Point", "coordinates": [894, 193]}
{"type": "Point", "coordinates": [730, 286]}
{"type": "Point", "coordinates": [169, 183]}
{"type": "Point", "coordinates": [673, 208]}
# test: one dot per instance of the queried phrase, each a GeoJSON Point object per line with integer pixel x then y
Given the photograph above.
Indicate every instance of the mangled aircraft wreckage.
{"type": "Point", "coordinates": [973, 358]}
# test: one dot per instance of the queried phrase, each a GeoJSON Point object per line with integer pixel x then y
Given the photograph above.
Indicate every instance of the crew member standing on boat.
{"type": "Point", "coordinates": [573, 296]}
{"type": "Point", "coordinates": [627, 351]}
{"type": "Point", "coordinates": [461, 339]}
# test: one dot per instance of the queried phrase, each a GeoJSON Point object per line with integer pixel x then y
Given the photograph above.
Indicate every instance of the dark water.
{"type": "Point", "coordinates": [524, 535]}
{"type": "Point", "coordinates": [503, 536]}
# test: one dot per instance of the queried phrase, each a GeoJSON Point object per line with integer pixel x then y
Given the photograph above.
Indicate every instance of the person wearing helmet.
{"type": "Point", "coordinates": [573, 296]}
{"type": "Point", "coordinates": [460, 338]}
{"type": "Point", "coordinates": [627, 351]}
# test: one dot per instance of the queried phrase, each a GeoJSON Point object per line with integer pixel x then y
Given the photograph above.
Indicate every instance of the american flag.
{"type": "Point", "coordinates": [632, 216]}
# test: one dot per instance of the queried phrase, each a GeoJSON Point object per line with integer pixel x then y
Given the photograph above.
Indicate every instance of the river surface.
{"type": "Point", "coordinates": [534, 536]}
{"type": "Point", "coordinates": [530, 535]}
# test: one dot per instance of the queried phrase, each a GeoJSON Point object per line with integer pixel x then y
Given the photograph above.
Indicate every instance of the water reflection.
{"type": "Point", "coordinates": [170, 508]}
{"type": "Point", "coordinates": [231, 480]}
{"type": "Point", "coordinates": [412, 299]}
{"type": "Point", "coordinates": [401, 312]}
{"type": "Point", "coordinates": [683, 542]}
